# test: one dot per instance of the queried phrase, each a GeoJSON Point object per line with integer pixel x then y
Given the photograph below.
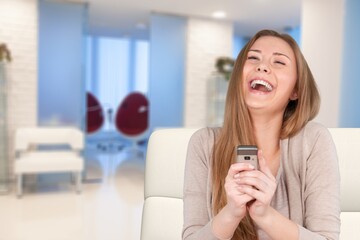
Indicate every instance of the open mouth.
{"type": "Point", "coordinates": [261, 85]}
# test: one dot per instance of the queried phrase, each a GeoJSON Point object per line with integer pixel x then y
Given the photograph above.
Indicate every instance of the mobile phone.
{"type": "Point", "coordinates": [247, 154]}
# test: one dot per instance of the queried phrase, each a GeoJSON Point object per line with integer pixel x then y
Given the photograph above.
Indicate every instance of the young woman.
{"type": "Point", "coordinates": [295, 194]}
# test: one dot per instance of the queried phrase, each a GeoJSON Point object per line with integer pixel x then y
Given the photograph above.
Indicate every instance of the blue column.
{"type": "Point", "coordinates": [350, 81]}
{"type": "Point", "coordinates": [167, 71]}
{"type": "Point", "coordinates": [61, 88]}
{"type": "Point", "coordinates": [95, 66]}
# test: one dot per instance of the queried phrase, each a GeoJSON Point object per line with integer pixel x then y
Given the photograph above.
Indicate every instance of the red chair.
{"type": "Point", "coordinates": [132, 118]}
{"type": "Point", "coordinates": [94, 122]}
{"type": "Point", "coordinates": [95, 116]}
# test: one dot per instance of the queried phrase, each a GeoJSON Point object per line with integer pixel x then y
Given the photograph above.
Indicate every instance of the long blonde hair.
{"type": "Point", "coordinates": [237, 128]}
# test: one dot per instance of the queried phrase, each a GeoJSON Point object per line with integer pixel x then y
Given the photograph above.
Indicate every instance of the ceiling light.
{"type": "Point", "coordinates": [219, 14]}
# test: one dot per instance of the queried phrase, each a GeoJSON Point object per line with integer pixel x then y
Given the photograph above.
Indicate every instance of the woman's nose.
{"type": "Point", "coordinates": [263, 68]}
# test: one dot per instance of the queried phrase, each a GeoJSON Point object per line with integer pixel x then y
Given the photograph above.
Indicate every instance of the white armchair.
{"type": "Point", "coordinates": [347, 142]}
{"type": "Point", "coordinates": [164, 174]}
{"type": "Point", "coordinates": [30, 159]}
{"type": "Point", "coordinates": [165, 164]}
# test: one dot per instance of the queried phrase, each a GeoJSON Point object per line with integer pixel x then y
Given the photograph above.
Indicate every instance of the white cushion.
{"type": "Point", "coordinates": [165, 162]}
{"type": "Point", "coordinates": [350, 222]}
{"type": "Point", "coordinates": [48, 161]}
{"type": "Point", "coordinates": [347, 142]}
{"type": "Point", "coordinates": [162, 219]}
{"type": "Point", "coordinates": [24, 137]}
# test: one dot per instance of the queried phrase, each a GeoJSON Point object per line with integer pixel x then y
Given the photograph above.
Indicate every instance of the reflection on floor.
{"type": "Point", "coordinates": [109, 206]}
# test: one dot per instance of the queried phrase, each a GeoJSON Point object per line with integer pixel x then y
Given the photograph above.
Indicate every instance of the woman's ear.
{"type": "Point", "coordinates": [294, 95]}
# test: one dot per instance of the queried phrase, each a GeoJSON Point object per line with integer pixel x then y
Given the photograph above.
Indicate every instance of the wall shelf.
{"type": "Point", "coordinates": [216, 96]}
{"type": "Point", "coordinates": [4, 161]}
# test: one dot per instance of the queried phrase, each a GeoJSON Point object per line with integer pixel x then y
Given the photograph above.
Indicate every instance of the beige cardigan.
{"type": "Point", "coordinates": [311, 175]}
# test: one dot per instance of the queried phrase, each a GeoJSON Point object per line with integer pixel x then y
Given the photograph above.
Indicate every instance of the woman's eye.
{"type": "Point", "coordinates": [280, 62]}
{"type": "Point", "coordinates": [252, 58]}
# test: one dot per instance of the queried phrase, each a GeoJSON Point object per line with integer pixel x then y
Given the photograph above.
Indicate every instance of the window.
{"type": "Point", "coordinates": [116, 67]}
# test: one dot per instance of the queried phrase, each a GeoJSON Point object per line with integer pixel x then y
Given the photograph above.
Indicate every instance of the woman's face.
{"type": "Point", "coordinates": [269, 75]}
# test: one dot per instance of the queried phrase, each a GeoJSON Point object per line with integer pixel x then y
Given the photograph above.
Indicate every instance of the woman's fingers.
{"type": "Point", "coordinates": [256, 179]}
{"type": "Point", "coordinates": [255, 193]}
{"type": "Point", "coordinates": [239, 167]}
{"type": "Point", "coordinates": [244, 184]}
{"type": "Point", "coordinates": [259, 191]}
{"type": "Point", "coordinates": [260, 185]}
{"type": "Point", "coordinates": [236, 199]}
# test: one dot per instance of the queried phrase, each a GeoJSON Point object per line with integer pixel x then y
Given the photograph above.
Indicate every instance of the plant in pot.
{"type": "Point", "coordinates": [224, 66]}
{"type": "Point", "coordinates": [5, 54]}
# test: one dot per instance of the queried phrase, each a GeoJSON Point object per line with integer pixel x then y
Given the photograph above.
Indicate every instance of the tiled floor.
{"type": "Point", "coordinates": [109, 206]}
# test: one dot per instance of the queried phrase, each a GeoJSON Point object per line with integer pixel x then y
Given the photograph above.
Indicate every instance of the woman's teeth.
{"type": "Point", "coordinates": [256, 84]}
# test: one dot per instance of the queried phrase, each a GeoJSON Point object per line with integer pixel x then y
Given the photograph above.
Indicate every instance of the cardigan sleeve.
{"type": "Point", "coordinates": [322, 187]}
{"type": "Point", "coordinates": [197, 224]}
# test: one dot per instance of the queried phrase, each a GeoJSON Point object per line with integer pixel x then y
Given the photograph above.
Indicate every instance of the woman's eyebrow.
{"type": "Point", "coordinates": [275, 53]}
{"type": "Point", "coordinates": [254, 50]}
{"type": "Point", "coordinates": [281, 54]}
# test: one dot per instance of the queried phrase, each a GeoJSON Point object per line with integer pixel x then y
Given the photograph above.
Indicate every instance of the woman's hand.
{"type": "Point", "coordinates": [261, 186]}
{"type": "Point", "coordinates": [236, 198]}
{"type": "Point", "coordinates": [226, 221]}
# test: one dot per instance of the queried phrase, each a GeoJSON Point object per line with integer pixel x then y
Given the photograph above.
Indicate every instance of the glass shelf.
{"type": "Point", "coordinates": [216, 96]}
{"type": "Point", "coordinates": [4, 164]}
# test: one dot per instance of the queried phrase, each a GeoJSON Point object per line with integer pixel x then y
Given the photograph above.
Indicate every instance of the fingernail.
{"type": "Point", "coordinates": [251, 166]}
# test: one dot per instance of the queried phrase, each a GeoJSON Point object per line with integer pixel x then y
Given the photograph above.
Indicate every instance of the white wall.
{"type": "Point", "coordinates": [322, 37]}
{"type": "Point", "coordinates": [19, 29]}
{"type": "Point", "coordinates": [206, 41]}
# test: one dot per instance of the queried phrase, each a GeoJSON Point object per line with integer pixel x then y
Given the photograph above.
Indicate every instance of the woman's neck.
{"type": "Point", "coordinates": [267, 135]}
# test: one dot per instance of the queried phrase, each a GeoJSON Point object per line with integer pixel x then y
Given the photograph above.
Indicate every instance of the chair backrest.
{"type": "Point", "coordinates": [94, 113]}
{"type": "Point", "coordinates": [132, 116]}
{"type": "Point", "coordinates": [164, 175]}
{"type": "Point", "coordinates": [347, 141]}
{"type": "Point", "coordinates": [24, 137]}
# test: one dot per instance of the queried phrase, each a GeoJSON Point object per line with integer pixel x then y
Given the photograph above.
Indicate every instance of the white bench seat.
{"type": "Point", "coordinates": [49, 161]}
{"type": "Point", "coordinates": [30, 159]}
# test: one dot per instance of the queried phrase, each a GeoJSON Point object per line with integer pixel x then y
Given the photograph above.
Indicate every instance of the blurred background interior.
{"type": "Point", "coordinates": [118, 69]}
